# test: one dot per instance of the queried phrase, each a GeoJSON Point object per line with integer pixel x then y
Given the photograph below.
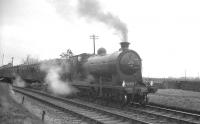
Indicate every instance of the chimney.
{"type": "Point", "coordinates": [124, 45]}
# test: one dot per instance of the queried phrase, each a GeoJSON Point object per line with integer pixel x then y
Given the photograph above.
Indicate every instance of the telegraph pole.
{"type": "Point", "coordinates": [2, 59]}
{"type": "Point", "coordinates": [94, 37]}
{"type": "Point", "coordinates": [12, 60]}
{"type": "Point", "coordinates": [185, 74]}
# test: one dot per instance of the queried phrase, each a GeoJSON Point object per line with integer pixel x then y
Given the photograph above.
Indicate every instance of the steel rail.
{"type": "Point", "coordinates": [93, 114]}
{"type": "Point", "coordinates": [156, 114]}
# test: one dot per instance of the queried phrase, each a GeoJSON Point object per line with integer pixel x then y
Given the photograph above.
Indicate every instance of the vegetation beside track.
{"type": "Point", "coordinates": [12, 112]}
{"type": "Point", "coordinates": [188, 100]}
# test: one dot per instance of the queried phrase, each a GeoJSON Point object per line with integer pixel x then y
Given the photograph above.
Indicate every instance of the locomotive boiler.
{"type": "Point", "coordinates": [119, 66]}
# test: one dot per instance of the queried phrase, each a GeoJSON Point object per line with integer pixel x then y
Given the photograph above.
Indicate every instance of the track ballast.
{"type": "Point", "coordinates": [93, 113]}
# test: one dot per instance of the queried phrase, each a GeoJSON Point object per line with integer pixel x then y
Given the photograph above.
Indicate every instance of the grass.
{"type": "Point", "coordinates": [12, 112]}
{"type": "Point", "coordinates": [178, 98]}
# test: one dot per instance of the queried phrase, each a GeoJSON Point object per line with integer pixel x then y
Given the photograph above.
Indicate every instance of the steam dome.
{"type": "Point", "coordinates": [101, 51]}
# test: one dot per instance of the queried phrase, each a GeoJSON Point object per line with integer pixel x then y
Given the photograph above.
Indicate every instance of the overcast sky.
{"type": "Point", "coordinates": [166, 34]}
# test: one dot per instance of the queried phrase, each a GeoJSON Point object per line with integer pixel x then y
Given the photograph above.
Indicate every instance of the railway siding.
{"type": "Point", "coordinates": [94, 115]}
{"type": "Point", "coordinates": [105, 114]}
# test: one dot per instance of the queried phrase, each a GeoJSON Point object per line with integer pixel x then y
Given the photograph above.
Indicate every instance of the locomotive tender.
{"type": "Point", "coordinates": [115, 77]}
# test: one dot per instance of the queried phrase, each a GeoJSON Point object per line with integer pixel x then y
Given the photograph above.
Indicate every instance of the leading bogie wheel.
{"type": "Point", "coordinates": [144, 100]}
{"type": "Point", "coordinates": [124, 100]}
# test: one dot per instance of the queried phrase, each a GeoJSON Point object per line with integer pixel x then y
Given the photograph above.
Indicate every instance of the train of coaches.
{"type": "Point", "coordinates": [114, 77]}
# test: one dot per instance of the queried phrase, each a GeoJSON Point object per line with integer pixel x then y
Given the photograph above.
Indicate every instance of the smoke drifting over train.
{"type": "Point", "coordinates": [92, 10]}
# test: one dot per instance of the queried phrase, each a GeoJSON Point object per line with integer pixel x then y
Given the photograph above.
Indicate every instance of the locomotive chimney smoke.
{"type": "Point", "coordinates": [124, 45]}
{"type": "Point", "coordinates": [92, 10]}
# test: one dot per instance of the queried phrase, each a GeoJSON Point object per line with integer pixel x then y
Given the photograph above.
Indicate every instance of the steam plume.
{"type": "Point", "coordinates": [92, 10]}
{"type": "Point", "coordinates": [54, 81]}
{"type": "Point", "coordinates": [19, 82]}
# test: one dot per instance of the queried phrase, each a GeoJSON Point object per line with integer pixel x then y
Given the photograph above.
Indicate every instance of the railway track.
{"type": "Point", "coordinates": [94, 113]}
{"type": "Point", "coordinates": [172, 115]}
{"type": "Point", "coordinates": [163, 113]}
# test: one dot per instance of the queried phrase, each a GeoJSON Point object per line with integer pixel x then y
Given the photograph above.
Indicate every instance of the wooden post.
{"type": "Point", "coordinates": [43, 114]}
{"type": "Point", "coordinates": [100, 86]}
{"type": "Point", "coordinates": [22, 99]}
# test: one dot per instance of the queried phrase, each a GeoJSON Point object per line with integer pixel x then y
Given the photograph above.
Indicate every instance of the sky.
{"type": "Point", "coordinates": [166, 34]}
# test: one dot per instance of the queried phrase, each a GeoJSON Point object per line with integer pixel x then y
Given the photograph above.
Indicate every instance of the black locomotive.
{"type": "Point", "coordinates": [115, 76]}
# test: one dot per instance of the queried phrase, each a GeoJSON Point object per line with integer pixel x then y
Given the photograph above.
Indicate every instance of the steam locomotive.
{"type": "Point", "coordinates": [114, 77]}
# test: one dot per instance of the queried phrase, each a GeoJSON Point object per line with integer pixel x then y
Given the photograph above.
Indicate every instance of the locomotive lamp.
{"type": "Point", "coordinates": [151, 83]}
{"type": "Point", "coordinates": [124, 45]}
{"type": "Point", "coordinates": [123, 84]}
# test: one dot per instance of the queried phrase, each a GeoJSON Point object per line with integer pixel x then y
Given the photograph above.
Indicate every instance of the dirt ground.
{"type": "Point", "coordinates": [178, 98]}
{"type": "Point", "coordinates": [12, 112]}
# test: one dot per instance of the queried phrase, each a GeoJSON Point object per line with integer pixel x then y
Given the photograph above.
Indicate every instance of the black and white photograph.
{"type": "Point", "coordinates": [99, 62]}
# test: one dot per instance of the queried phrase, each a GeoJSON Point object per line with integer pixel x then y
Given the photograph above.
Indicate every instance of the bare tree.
{"type": "Point", "coordinates": [67, 54]}
{"type": "Point", "coordinates": [30, 60]}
